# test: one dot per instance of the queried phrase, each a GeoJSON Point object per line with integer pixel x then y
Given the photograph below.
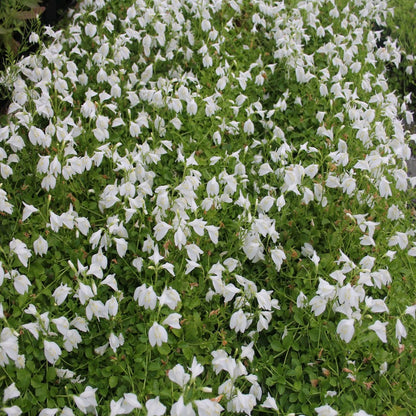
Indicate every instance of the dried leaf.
{"type": "Point", "coordinates": [31, 14]}
{"type": "Point", "coordinates": [314, 382]}
{"type": "Point", "coordinates": [217, 399]}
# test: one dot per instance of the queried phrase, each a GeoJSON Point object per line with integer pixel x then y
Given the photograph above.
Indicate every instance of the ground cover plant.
{"type": "Point", "coordinates": [400, 26]}
{"type": "Point", "coordinates": [204, 211]}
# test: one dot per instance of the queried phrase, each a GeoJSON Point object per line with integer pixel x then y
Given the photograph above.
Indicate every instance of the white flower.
{"type": "Point", "coordinates": [12, 411]}
{"type": "Point", "coordinates": [157, 335]}
{"type": "Point", "coordinates": [21, 283]}
{"type": "Point", "coordinates": [173, 320]}
{"type": "Point", "coordinates": [20, 249]}
{"type": "Point", "coordinates": [96, 308]}
{"type": "Point", "coordinates": [80, 323]}
{"type": "Point", "coordinates": [52, 351]}
{"type": "Point", "coordinates": [102, 349]}
{"type": "Point", "coordinates": [71, 339]}
{"type": "Point", "coordinates": [36, 135]}
{"type": "Point", "coordinates": [179, 238]}
{"type": "Point", "coordinates": [177, 375]}
{"type": "Point", "coordinates": [348, 185]}
{"type": "Point", "coordinates": [116, 408]}
{"type": "Point", "coordinates": [380, 329]}
{"type": "Point", "coordinates": [247, 351]}
{"type": "Point", "coordinates": [191, 265]}
{"type": "Point", "coordinates": [121, 246]}
{"type": "Point", "coordinates": [88, 109]}
{"type": "Point", "coordinates": [196, 369]}
{"type": "Point", "coordinates": [155, 407]}
{"type": "Point", "coordinates": [112, 306]}
{"type": "Point", "coordinates": [48, 182]}
{"type": "Point", "coordinates": [265, 169]}
{"type": "Point", "coordinates": [383, 368]}
{"type": "Point", "coordinates": [280, 202]}
{"type": "Point", "coordinates": [66, 411]}
{"type": "Point", "coordinates": [28, 210]}
{"type": "Point", "coordinates": [394, 213]}
{"type": "Point", "coordinates": [345, 329]}
{"type": "Point", "coordinates": [145, 297]}
{"type": "Point", "coordinates": [90, 30]}
{"type": "Point", "coordinates": [242, 403]}
{"type": "Point", "coordinates": [264, 299]}
{"type": "Point", "coordinates": [34, 38]}
{"type": "Point", "coordinates": [264, 320]}
{"type": "Point", "coordinates": [248, 127]}
{"type": "Point", "coordinates": [10, 392]}
{"type": "Point", "coordinates": [301, 300]}
{"type": "Point", "coordinates": [191, 107]}
{"type": "Point", "coordinates": [325, 290]}
{"type": "Point", "coordinates": [62, 324]}
{"type": "Point", "coordinates": [180, 409]}
{"type": "Point", "coordinates": [238, 321]}
{"type": "Point", "coordinates": [411, 310]}
{"type": "Point", "coordinates": [84, 293]}
{"type": "Point", "coordinates": [9, 346]}
{"type": "Point", "coordinates": [270, 403]}
{"type": "Point", "coordinates": [384, 188]}
{"type": "Point", "coordinates": [212, 187]}
{"type": "Point", "coordinates": [161, 229]}
{"type": "Point", "coordinates": [169, 297]}
{"type": "Point", "coordinates": [61, 293]}
{"type": "Point", "coordinates": [325, 410]}
{"type": "Point", "coordinates": [208, 407]}
{"type": "Point", "coordinates": [213, 233]}
{"type": "Point", "coordinates": [198, 225]}
{"type": "Point", "coordinates": [130, 402]}
{"type": "Point", "coordinates": [400, 330]}
{"type": "Point", "coordinates": [124, 405]}
{"type": "Point", "coordinates": [40, 246]}
{"type": "Point", "coordinates": [20, 361]}
{"type": "Point", "coordinates": [111, 282]}
{"type": "Point", "coordinates": [367, 240]}
{"type": "Point", "coordinates": [318, 305]}
{"type": "Point", "coordinates": [278, 256]}
{"type": "Point", "coordinates": [48, 412]}
{"type": "Point", "coordinates": [399, 239]}
{"type": "Point", "coordinates": [376, 305]}
{"type": "Point", "coordinates": [86, 401]}
{"type": "Point", "coordinates": [115, 341]}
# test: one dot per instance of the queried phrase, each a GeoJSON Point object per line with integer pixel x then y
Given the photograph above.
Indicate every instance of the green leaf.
{"type": "Point", "coordinates": [42, 393]}
{"type": "Point", "coordinates": [164, 349]}
{"type": "Point", "coordinates": [36, 381]}
{"type": "Point", "coordinates": [31, 3]}
{"type": "Point", "coordinates": [113, 381]}
{"type": "Point", "coordinates": [23, 375]}
{"type": "Point", "coordinates": [188, 352]}
{"type": "Point", "coordinates": [270, 381]}
{"type": "Point", "coordinates": [51, 374]}
{"type": "Point", "coordinates": [276, 345]}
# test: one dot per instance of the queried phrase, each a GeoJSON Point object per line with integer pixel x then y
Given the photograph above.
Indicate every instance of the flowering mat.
{"type": "Point", "coordinates": [203, 212]}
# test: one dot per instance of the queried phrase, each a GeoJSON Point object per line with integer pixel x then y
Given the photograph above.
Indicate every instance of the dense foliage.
{"type": "Point", "coordinates": [204, 210]}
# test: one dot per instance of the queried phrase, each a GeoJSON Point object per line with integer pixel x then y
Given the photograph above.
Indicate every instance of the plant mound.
{"type": "Point", "coordinates": [204, 211]}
